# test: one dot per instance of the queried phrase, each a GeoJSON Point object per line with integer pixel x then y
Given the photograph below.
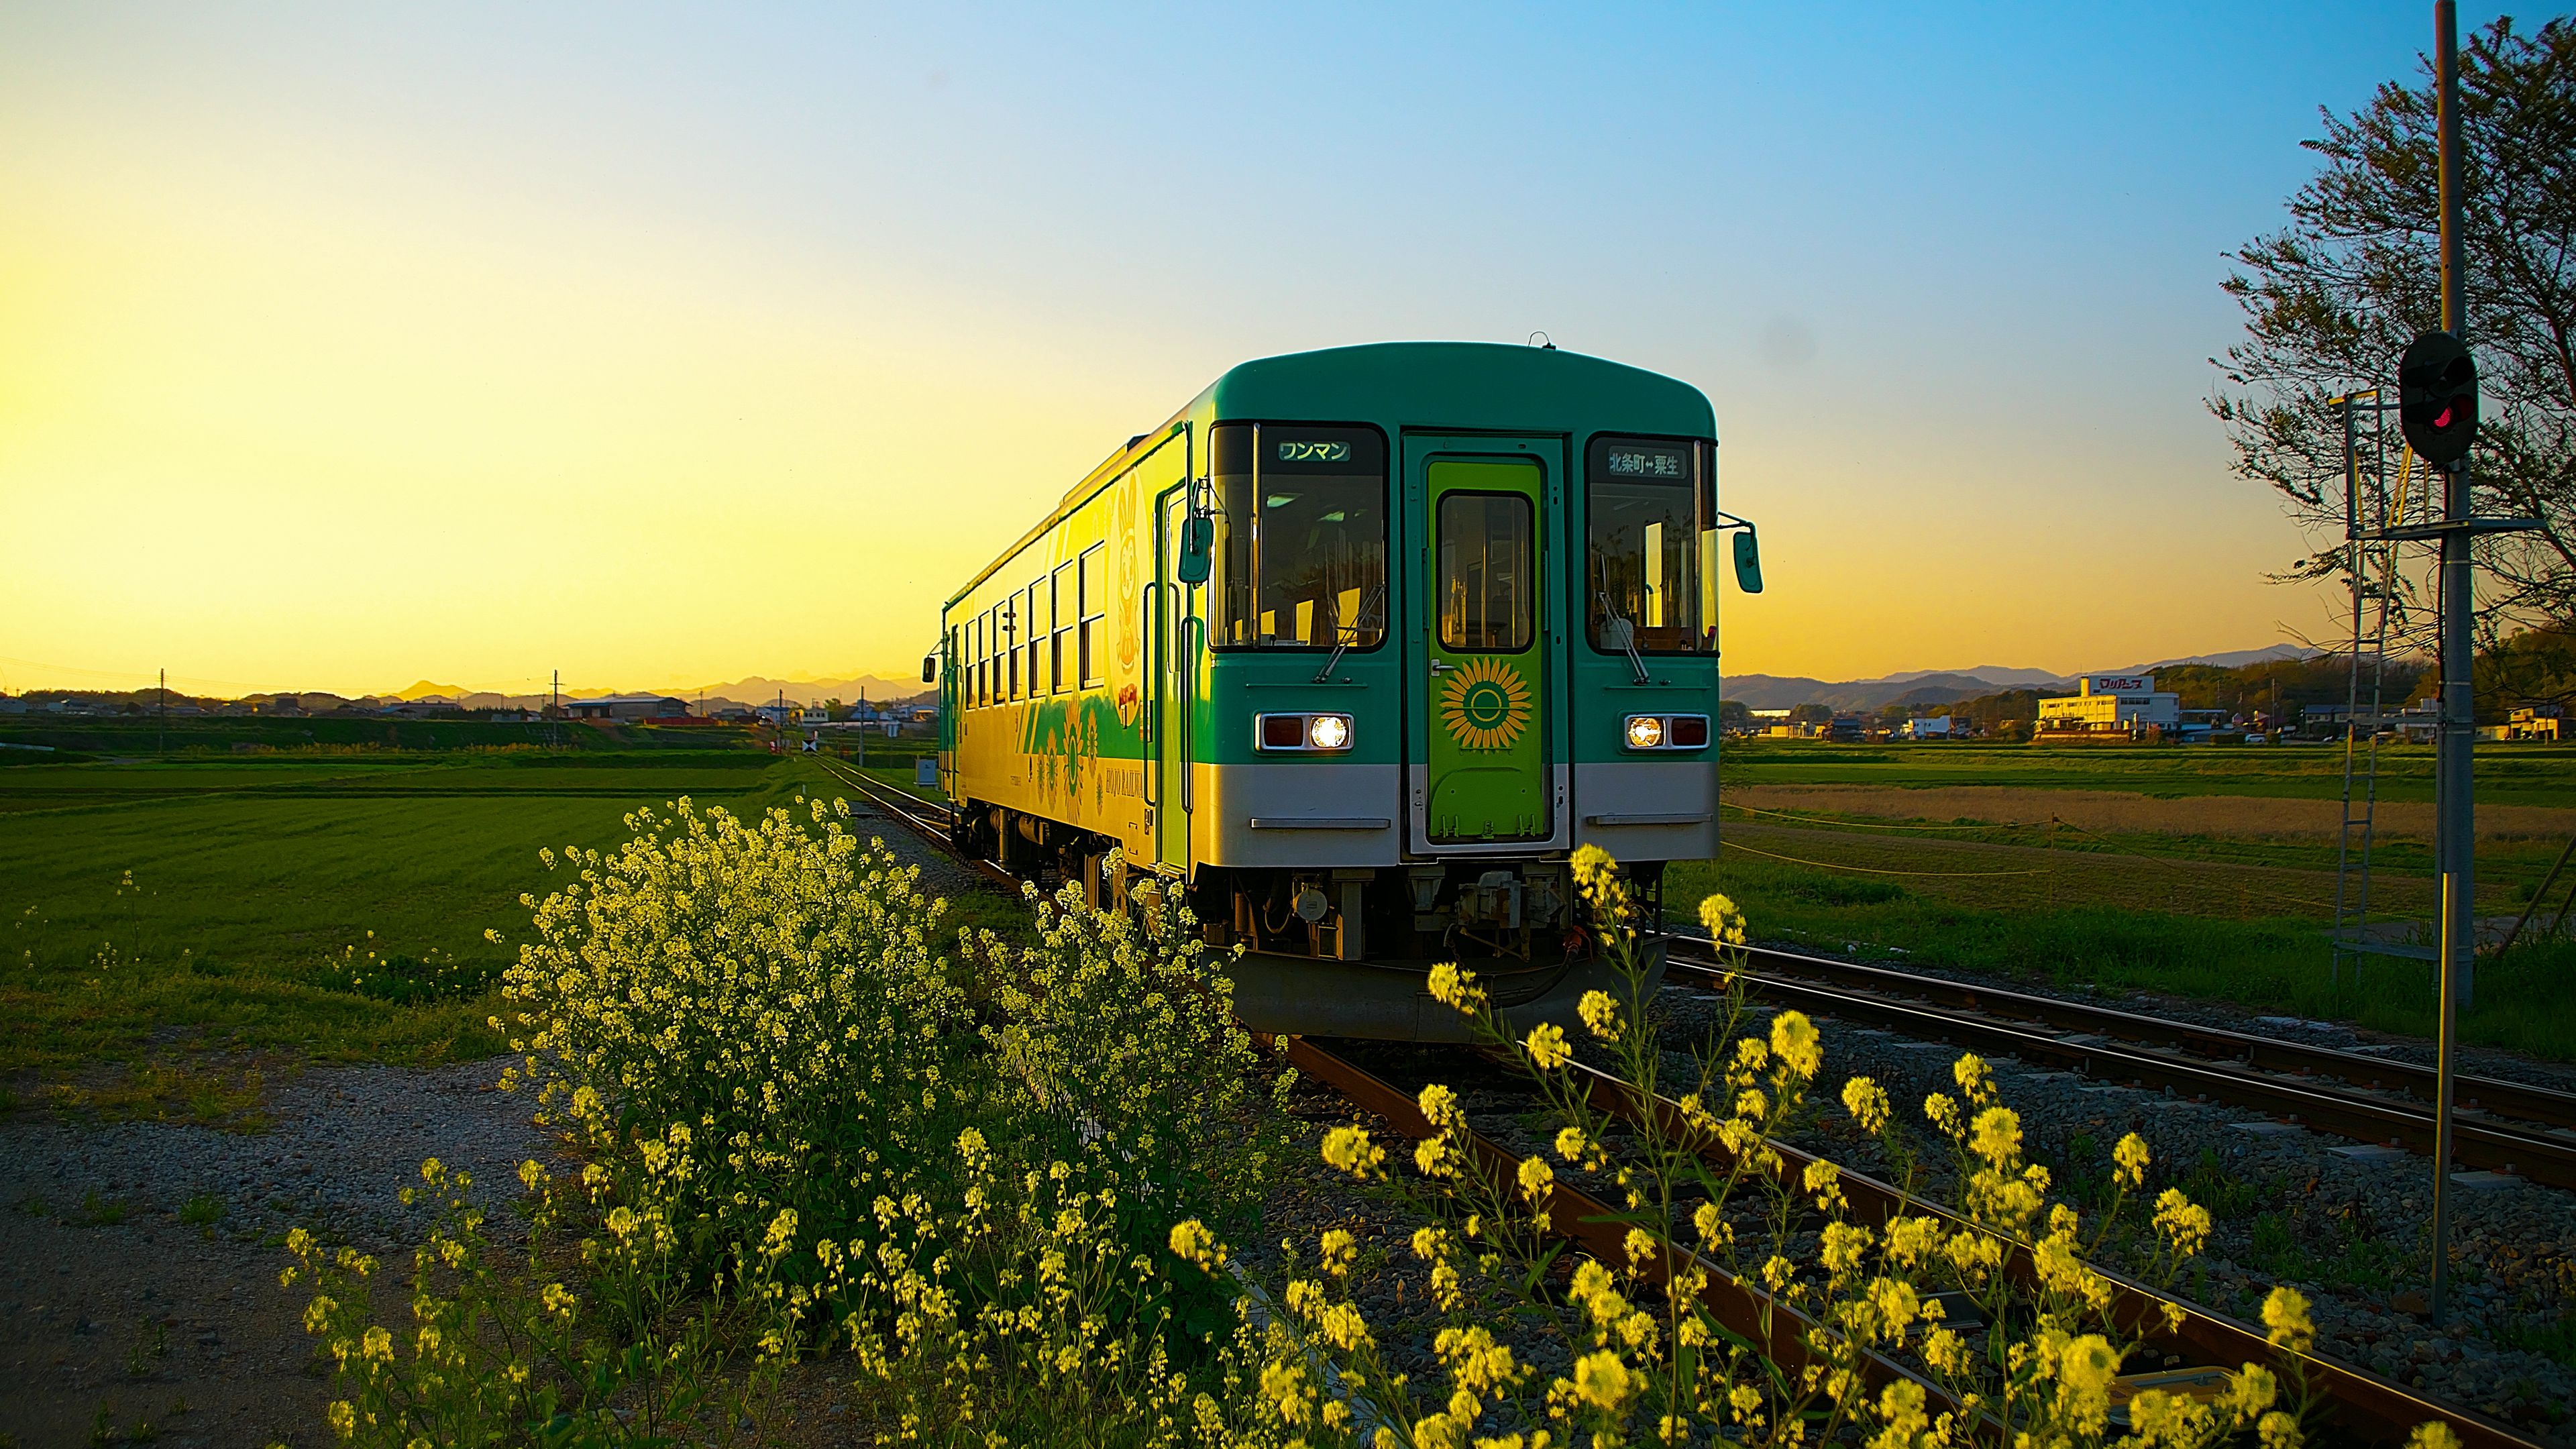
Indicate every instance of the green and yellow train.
{"type": "Point", "coordinates": [1353, 652]}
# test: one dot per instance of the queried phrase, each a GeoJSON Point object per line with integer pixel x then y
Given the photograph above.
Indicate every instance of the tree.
{"type": "Point", "coordinates": [2331, 300]}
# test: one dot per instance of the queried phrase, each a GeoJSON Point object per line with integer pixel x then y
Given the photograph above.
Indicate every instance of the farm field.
{"type": "Point", "coordinates": [2205, 873]}
{"type": "Point", "coordinates": [232, 902]}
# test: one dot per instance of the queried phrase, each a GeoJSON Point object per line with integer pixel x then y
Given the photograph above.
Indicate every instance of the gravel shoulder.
{"type": "Point", "coordinates": [139, 1260]}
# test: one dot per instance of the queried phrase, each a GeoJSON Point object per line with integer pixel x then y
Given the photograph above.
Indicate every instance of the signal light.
{"type": "Point", "coordinates": [1282, 731]}
{"type": "Point", "coordinates": [2437, 398]}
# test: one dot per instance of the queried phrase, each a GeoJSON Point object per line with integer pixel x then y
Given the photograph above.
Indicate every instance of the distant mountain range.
{"type": "Point", "coordinates": [1949, 686]}
{"type": "Point", "coordinates": [756, 689]}
{"type": "Point", "coordinates": [1757, 691]}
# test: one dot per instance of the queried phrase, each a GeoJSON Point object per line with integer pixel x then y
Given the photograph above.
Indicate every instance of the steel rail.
{"type": "Point", "coordinates": [2364, 1405]}
{"type": "Point", "coordinates": [2364, 1119]}
{"type": "Point", "coordinates": [2489, 1095]}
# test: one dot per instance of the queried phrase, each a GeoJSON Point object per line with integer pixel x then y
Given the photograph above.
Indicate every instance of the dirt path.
{"type": "Point", "coordinates": [139, 1260]}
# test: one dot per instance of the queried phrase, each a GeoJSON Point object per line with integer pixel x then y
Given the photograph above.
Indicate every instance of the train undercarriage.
{"type": "Point", "coordinates": [1347, 951]}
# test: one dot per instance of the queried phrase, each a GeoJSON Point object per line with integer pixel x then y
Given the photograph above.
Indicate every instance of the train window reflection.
{"type": "Point", "coordinates": [1485, 583]}
{"type": "Point", "coordinates": [1644, 566]}
{"type": "Point", "coordinates": [1301, 537]}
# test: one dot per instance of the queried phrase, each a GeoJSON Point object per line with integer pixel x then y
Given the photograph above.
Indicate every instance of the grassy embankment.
{"type": "Point", "coordinates": [2197, 872]}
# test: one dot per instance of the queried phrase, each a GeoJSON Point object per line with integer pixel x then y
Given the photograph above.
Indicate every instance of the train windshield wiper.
{"type": "Point", "coordinates": [1617, 632]}
{"type": "Point", "coordinates": [1370, 604]}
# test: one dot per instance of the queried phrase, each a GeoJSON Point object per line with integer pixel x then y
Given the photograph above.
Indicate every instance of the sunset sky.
{"type": "Point", "coordinates": [343, 346]}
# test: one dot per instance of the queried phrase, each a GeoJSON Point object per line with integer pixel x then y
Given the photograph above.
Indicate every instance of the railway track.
{"type": "Point", "coordinates": [2364, 1407]}
{"type": "Point", "coordinates": [2504, 1126]}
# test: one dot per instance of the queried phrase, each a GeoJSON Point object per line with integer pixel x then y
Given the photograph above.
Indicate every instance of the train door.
{"type": "Point", "coordinates": [1175, 665]}
{"type": "Point", "coordinates": [1482, 643]}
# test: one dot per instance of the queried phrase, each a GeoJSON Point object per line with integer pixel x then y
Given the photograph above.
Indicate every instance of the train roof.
{"type": "Point", "coordinates": [1468, 386]}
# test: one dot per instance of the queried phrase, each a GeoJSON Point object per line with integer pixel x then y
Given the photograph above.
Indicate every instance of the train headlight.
{"type": "Point", "coordinates": [1305, 733]}
{"type": "Point", "coordinates": [1667, 731]}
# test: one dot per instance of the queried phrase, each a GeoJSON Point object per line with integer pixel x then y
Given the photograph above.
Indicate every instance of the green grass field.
{"type": "Point", "coordinates": [2526, 774]}
{"type": "Point", "coordinates": [2195, 897]}
{"type": "Point", "coordinates": [260, 880]}
{"type": "Point", "coordinates": [258, 884]}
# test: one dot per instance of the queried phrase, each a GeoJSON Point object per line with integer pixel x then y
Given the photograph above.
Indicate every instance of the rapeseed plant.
{"type": "Point", "coordinates": [800, 1138]}
{"type": "Point", "coordinates": [1851, 1334]}
{"type": "Point", "coordinates": [1004, 1218]}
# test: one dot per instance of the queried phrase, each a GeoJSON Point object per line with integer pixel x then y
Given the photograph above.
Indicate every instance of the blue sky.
{"type": "Point", "coordinates": [850, 295]}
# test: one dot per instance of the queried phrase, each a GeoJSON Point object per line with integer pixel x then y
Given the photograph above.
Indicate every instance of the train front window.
{"type": "Point", "coordinates": [1645, 575]}
{"type": "Point", "coordinates": [1300, 537]}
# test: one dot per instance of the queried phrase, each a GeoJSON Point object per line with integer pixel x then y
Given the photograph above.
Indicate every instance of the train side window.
{"type": "Point", "coordinates": [1062, 601]}
{"type": "Point", "coordinates": [1093, 590]}
{"type": "Point", "coordinates": [1013, 623]}
{"type": "Point", "coordinates": [1485, 572]}
{"type": "Point", "coordinates": [1036, 638]}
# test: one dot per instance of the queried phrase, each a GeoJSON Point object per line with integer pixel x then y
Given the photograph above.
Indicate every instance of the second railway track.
{"type": "Point", "coordinates": [2507, 1127]}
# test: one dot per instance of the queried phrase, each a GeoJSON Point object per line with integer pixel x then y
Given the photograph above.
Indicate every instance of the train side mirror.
{"type": "Point", "coordinates": [1748, 563]}
{"type": "Point", "coordinates": [1198, 543]}
{"type": "Point", "coordinates": [929, 668]}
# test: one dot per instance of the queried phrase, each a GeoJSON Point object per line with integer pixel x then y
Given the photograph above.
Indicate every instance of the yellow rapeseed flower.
{"type": "Point", "coordinates": [1867, 1102]}
{"type": "Point", "coordinates": [1192, 1242]}
{"type": "Point", "coordinates": [2286, 1321]}
{"type": "Point", "coordinates": [2129, 1160]}
{"type": "Point", "coordinates": [2184, 1223]}
{"type": "Point", "coordinates": [1600, 1014]}
{"type": "Point", "coordinates": [1547, 1047]}
{"type": "Point", "coordinates": [2088, 1364]}
{"type": "Point", "coordinates": [1794, 1042]}
{"type": "Point", "coordinates": [1996, 1137]}
{"type": "Point", "coordinates": [1349, 1149]}
{"type": "Point", "coordinates": [1723, 922]}
{"type": "Point", "coordinates": [1537, 1179]}
{"type": "Point", "coordinates": [1601, 1380]}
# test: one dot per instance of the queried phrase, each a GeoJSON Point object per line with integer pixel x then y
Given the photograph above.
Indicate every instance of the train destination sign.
{"type": "Point", "coordinates": [1319, 450]}
{"type": "Point", "coordinates": [1634, 462]}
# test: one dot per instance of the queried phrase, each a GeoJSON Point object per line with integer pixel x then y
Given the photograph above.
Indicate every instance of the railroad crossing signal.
{"type": "Point", "coordinates": [2437, 398]}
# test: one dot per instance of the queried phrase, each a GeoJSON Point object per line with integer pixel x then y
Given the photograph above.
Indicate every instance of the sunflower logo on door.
{"type": "Point", "coordinates": [1485, 705]}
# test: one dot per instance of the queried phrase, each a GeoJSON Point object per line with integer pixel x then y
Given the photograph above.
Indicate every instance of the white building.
{"type": "Point", "coordinates": [1935, 728]}
{"type": "Point", "coordinates": [2111, 704]}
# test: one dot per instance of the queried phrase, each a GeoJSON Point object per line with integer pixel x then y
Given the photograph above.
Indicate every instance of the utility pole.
{"type": "Point", "coordinates": [2455, 807]}
{"type": "Point", "coordinates": [161, 735]}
